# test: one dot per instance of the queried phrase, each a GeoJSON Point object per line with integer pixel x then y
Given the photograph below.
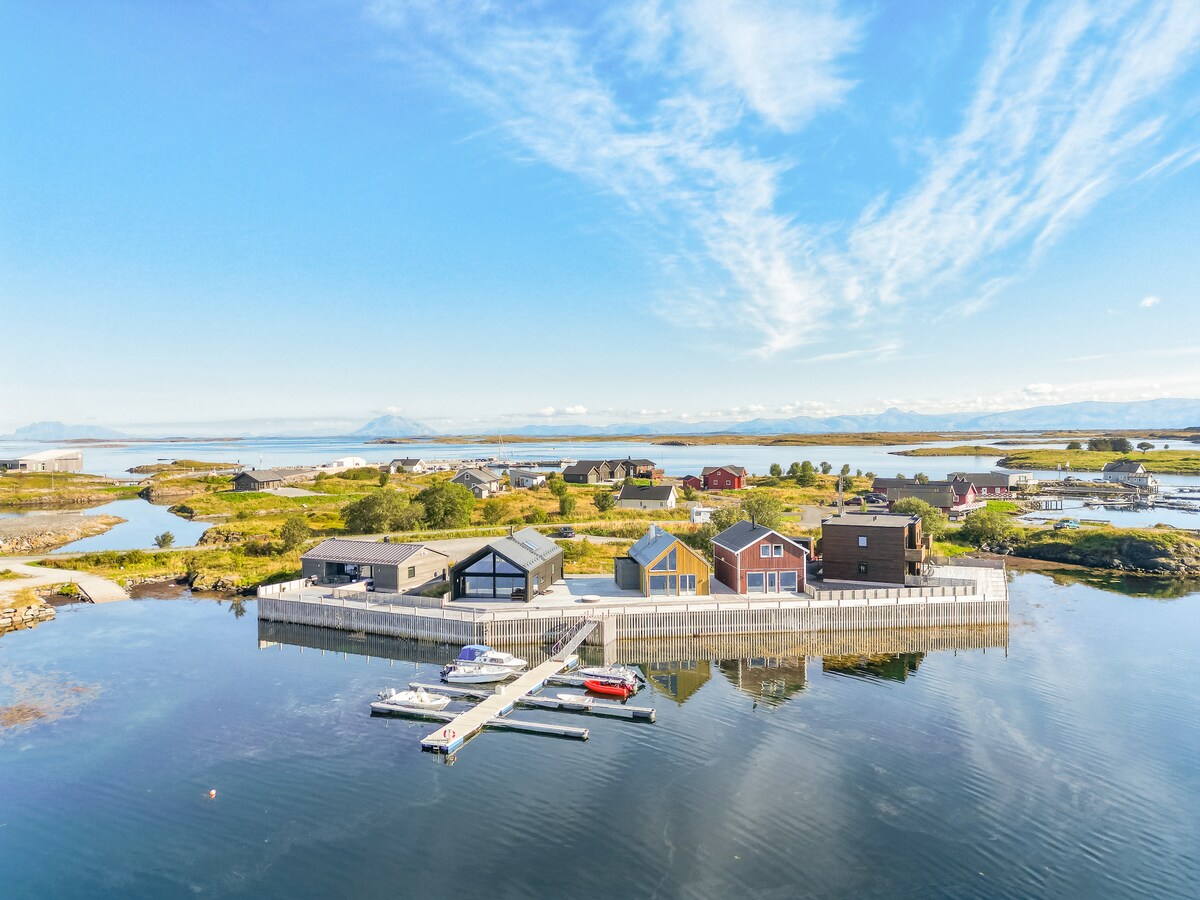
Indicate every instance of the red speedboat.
{"type": "Point", "coordinates": [603, 687]}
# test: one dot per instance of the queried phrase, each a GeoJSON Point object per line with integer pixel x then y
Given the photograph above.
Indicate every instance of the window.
{"type": "Point", "coordinates": [666, 564]}
{"type": "Point", "coordinates": [764, 550]}
{"type": "Point", "coordinates": [777, 549]}
{"type": "Point", "coordinates": [728, 483]}
{"type": "Point", "coordinates": [687, 584]}
{"type": "Point", "coordinates": [862, 540]}
{"type": "Point", "coordinates": [412, 571]}
{"type": "Point", "coordinates": [658, 584]}
{"type": "Point", "coordinates": [755, 583]}
{"type": "Point", "coordinates": [862, 568]}
{"type": "Point", "coordinates": [787, 581]}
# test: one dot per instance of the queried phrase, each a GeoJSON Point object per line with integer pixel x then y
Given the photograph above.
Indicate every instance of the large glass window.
{"type": "Point", "coordinates": [687, 584]}
{"type": "Point", "coordinates": [755, 583]}
{"type": "Point", "coordinates": [666, 564]}
{"type": "Point", "coordinates": [658, 584]}
{"type": "Point", "coordinates": [787, 581]}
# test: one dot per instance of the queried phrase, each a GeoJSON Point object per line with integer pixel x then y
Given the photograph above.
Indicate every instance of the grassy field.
{"type": "Point", "coordinates": [219, 568]}
{"type": "Point", "coordinates": [1178, 462]}
{"type": "Point", "coordinates": [958, 450]}
{"type": "Point", "coordinates": [59, 490]}
{"type": "Point", "coordinates": [10, 575]}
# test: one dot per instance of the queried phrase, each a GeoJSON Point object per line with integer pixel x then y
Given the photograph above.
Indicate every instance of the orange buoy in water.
{"type": "Point", "coordinates": [212, 795]}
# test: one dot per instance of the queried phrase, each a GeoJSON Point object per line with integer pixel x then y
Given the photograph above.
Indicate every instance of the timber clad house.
{"type": "Point", "coordinates": [1128, 471]}
{"type": "Point", "coordinates": [661, 565]}
{"type": "Point", "coordinates": [393, 567]}
{"type": "Point", "coordinates": [873, 548]}
{"type": "Point", "coordinates": [754, 559]}
{"type": "Point", "coordinates": [715, 478]}
{"type": "Point", "coordinates": [517, 567]}
{"type": "Point", "coordinates": [639, 496]}
{"type": "Point", "coordinates": [269, 479]}
{"type": "Point", "coordinates": [480, 482]}
{"type": "Point", "coordinates": [416, 466]}
{"type": "Point", "coordinates": [525, 478]}
{"type": "Point", "coordinates": [600, 471]}
{"type": "Point", "coordinates": [994, 485]}
{"type": "Point", "coordinates": [692, 481]}
{"type": "Point", "coordinates": [951, 497]}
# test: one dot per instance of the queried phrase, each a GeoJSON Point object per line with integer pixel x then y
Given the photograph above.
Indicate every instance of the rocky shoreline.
{"type": "Point", "coordinates": [14, 618]}
{"type": "Point", "coordinates": [41, 533]}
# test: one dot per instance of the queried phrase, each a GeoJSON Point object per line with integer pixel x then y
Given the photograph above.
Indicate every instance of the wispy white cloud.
{"type": "Point", "coordinates": [664, 110]}
{"type": "Point", "coordinates": [1150, 301]}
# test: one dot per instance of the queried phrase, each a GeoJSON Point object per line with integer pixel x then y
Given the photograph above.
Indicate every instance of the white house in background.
{"type": "Point", "coordinates": [416, 466]}
{"type": "Point", "coordinates": [700, 515]}
{"type": "Point", "coordinates": [526, 478]}
{"type": "Point", "coordinates": [45, 461]}
{"type": "Point", "coordinates": [343, 463]}
{"type": "Point", "coordinates": [481, 482]}
{"type": "Point", "coordinates": [1130, 471]}
{"type": "Point", "coordinates": [640, 496]}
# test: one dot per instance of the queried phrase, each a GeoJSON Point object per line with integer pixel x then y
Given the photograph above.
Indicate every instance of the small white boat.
{"type": "Point", "coordinates": [577, 699]}
{"type": "Point", "coordinates": [483, 655]}
{"type": "Point", "coordinates": [418, 699]}
{"type": "Point", "coordinates": [470, 673]}
{"type": "Point", "coordinates": [612, 675]}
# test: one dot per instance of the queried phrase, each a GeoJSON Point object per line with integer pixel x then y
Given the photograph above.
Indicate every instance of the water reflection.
{"type": "Point", "coordinates": [894, 667]}
{"type": "Point", "coordinates": [770, 668]}
{"type": "Point", "coordinates": [1150, 586]}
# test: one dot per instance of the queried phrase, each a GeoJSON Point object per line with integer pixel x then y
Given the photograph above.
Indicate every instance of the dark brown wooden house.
{"type": "Point", "coordinates": [873, 548]}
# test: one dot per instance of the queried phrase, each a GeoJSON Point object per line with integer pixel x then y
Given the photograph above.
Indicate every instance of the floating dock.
{"type": "Point", "coordinates": [491, 710]}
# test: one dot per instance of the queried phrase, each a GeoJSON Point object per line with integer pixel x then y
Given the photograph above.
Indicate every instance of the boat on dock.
{"type": "Point", "coordinates": [391, 699]}
{"type": "Point", "coordinates": [609, 688]}
{"type": "Point", "coordinates": [483, 655]}
{"type": "Point", "coordinates": [612, 675]}
{"type": "Point", "coordinates": [471, 673]}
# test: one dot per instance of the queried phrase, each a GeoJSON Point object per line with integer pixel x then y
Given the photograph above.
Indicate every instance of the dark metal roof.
{"type": "Point", "coordinates": [582, 467]}
{"type": "Point", "coordinates": [363, 552]}
{"type": "Point", "coordinates": [484, 476]}
{"type": "Point", "coordinates": [527, 548]}
{"type": "Point", "coordinates": [985, 479]}
{"type": "Point", "coordinates": [651, 546]}
{"type": "Point", "coordinates": [740, 535]}
{"type": "Point", "coordinates": [868, 520]}
{"type": "Point", "coordinates": [646, 492]}
{"type": "Point", "coordinates": [1123, 465]}
{"type": "Point", "coordinates": [262, 476]}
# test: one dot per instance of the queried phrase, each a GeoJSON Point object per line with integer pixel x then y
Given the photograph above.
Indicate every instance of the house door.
{"type": "Point", "coordinates": [772, 582]}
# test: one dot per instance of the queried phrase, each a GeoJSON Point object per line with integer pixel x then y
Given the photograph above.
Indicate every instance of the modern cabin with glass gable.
{"type": "Point", "coordinates": [517, 567]}
{"type": "Point", "coordinates": [661, 565]}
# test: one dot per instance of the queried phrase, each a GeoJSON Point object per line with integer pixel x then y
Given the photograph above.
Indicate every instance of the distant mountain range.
{"type": "Point", "coordinates": [393, 426]}
{"type": "Point", "coordinates": [1168, 413]}
{"type": "Point", "coordinates": [1090, 415]}
{"type": "Point", "coordinates": [57, 431]}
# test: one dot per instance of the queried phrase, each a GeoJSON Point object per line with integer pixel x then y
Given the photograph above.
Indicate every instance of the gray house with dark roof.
{"type": "Point", "coordinates": [641, 496]}
{"type": "Point", "coordinates": [480, 482]}
{"type": "Point", "coordinates": [393, 567]}
{"type": "Point", "coordinates": [516, 567]}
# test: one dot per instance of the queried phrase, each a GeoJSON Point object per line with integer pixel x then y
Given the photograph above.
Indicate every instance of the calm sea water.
{"type": "Point", "coordinates": [1062, 765]}
{"type": "Point", "coordinates": [116, 458]}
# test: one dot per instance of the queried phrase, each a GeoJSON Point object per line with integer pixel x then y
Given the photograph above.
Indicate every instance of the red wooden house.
{"type": "Point", "coordinates": [692, 481]}
{"type": "Point", "coordinates": [754, 559]}
{"type": "Point", "coordinates": [719, 478]}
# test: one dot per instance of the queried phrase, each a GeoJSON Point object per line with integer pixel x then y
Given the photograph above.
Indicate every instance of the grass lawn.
{"type": "Point", "coordinates": [60, 489]}
{"type": "Point", "coordinates": [1167, 462]}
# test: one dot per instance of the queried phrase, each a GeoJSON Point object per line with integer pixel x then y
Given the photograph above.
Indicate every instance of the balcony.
{"type": "Point", "coordinates": [916, 554]}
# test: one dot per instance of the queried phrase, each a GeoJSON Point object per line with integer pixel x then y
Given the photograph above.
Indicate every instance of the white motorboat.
{"type": "Point", "coordinates": [483, 655]}
{"type": "Point", "coordinates": [576, 699]}
{"type": "Point", "coordinates": [418, 699]}
{"type": "Point", "coordinates": [612, 675]}
{"type": "Point", "coordinates": [471, 673]}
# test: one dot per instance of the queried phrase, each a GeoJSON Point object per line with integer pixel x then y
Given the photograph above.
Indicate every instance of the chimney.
{"type": "Point", "coordinates": [753, 523]}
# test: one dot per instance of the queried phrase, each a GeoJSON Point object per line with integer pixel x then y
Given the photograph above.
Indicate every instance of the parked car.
{"type": "Point", "coordinates": [1066, 523]}
{"type": "Point", "coordinates": [566, 531]}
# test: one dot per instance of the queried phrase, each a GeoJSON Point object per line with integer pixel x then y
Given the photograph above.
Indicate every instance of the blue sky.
{"type": "Point", "coordinates": [478, 214]}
